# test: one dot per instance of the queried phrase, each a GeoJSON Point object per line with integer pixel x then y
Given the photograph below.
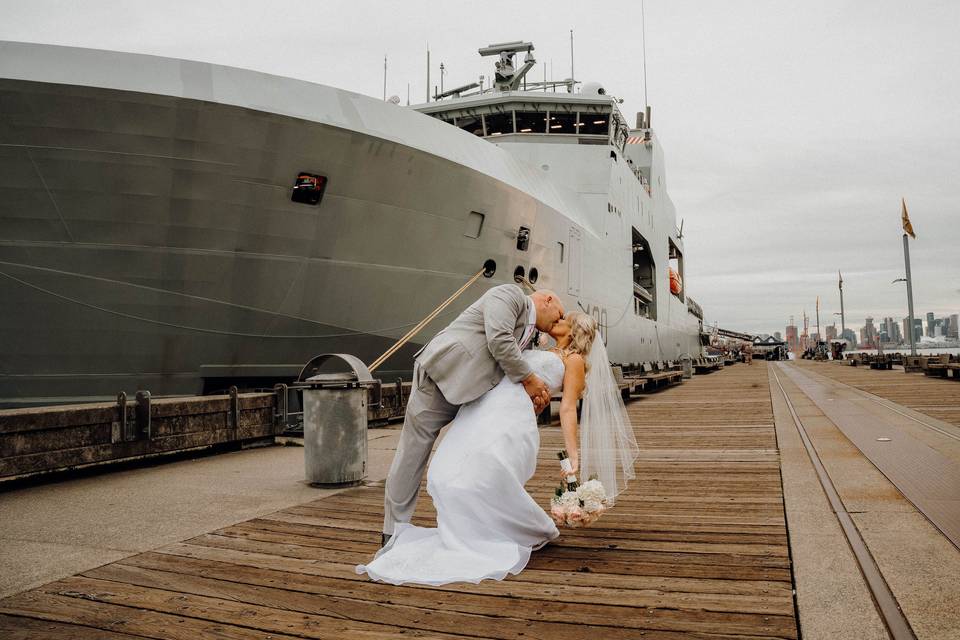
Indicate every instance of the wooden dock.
{"type": "Point", "coordinates": [697, 547]}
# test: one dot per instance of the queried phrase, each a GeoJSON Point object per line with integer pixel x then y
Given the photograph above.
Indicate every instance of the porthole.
{"type": "Point", "coordinates": [518, 274]}
{"type": "Point", "coordinates": [534, 274]}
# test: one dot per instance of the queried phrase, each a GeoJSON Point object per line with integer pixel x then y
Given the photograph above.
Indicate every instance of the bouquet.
{"type": "Point", "coordinates": [577, 505]}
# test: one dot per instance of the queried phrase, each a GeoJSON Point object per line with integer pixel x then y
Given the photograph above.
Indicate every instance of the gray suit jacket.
{"type": "Point", "coordinates": [472, 354]}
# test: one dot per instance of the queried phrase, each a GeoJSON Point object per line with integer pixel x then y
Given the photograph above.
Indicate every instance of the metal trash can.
{"type": "Point", "coordinates": [335, 421]}
{"type": "Point", "coordinates": [687, 363]}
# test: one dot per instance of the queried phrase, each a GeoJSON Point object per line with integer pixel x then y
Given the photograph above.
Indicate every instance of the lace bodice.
{"type": "Point", "coordinates": [548, 366]}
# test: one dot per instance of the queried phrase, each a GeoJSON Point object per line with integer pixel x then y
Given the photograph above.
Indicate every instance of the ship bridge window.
{"type": "Point", "coordinates": [499, 123]}
{"type": "Point", "coordinates": [644, 278]}
{"type": "Point", "coordinates": [594, 124]}
{"type": "Point", "coordinates": [531, 121]}
{"type": "Point", "coordinates": [563, 122]}
{"type": "Point", "coordinates": [471, 124]}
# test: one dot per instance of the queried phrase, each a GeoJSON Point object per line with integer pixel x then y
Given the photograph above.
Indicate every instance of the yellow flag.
{"type": "Point", "coordinates": [907, 227]}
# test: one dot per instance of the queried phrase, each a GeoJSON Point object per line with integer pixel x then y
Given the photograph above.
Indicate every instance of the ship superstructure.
{"type": "Point", "coordinates": [178, 226]}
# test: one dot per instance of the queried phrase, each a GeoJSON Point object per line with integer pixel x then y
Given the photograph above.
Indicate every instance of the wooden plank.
{"type": "Point", "coordinates": [21, 628]}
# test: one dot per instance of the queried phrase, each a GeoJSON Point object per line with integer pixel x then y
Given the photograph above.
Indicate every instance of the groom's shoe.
{"type": "Point", "coordinates": [384, 539]}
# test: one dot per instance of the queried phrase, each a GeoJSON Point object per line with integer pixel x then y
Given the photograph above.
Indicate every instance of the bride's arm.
{"type": "Point", "coordinates": [573, 382]}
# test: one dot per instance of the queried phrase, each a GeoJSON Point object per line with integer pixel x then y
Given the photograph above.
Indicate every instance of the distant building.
{"type": "Point", "coordinates": [793, 338]}
{"type": "Point", "coordinates": [831, 332]}
{"type": "Point", "coordinates": [953, 328]}
{"type": "Point", "coordinates": [869, 333]}
{"type": "Point", "coordinates": [917, 329]}
{"type": "Point", "coordinates": [849, 336]}
{"type": "Point", "coordinates": [778, 336]}
{"type": "Point", "coordinates": [890, 332]}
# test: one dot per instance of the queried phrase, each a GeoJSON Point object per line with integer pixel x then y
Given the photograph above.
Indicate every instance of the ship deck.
{"type": "Point", "coordinates": [727, 532]}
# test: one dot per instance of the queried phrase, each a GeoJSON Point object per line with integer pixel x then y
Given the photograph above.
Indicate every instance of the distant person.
{"type": "Point", "coordinates": [748, 353]}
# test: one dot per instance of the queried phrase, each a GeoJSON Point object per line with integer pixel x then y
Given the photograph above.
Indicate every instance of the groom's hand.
{"type": "Point", "coordinates": [538, 392]}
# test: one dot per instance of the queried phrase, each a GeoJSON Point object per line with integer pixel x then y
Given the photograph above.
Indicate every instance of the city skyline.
{"type": "Point", "coordinates": [943, 327]}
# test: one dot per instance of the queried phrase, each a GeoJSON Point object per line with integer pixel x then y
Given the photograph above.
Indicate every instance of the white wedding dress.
{"type": "Point", "coordinates": [487, 524]}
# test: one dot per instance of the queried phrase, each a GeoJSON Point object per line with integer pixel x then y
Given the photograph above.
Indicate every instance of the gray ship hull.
{"type": "Point", "coordinates": [149, 241]}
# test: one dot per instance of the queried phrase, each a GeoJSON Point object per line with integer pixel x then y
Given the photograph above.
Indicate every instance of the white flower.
{"type": "Point", "coordinates": [591, 491]}
{"type": "Point", "coordinates": [569, 499]}
{"type": "Point", "coordinates": [592, 506]}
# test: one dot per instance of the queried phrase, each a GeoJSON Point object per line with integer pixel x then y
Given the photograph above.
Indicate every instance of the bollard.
{"type": "Point", "coordinates": [335, 421]}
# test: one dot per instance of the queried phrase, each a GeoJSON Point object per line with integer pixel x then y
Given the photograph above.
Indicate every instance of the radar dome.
{"type": "Point", "coordinates": [593, 89]}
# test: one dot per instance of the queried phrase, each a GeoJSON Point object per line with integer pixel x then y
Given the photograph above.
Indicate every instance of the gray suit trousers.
{"type": "Point", "coordinates": [427, 413]}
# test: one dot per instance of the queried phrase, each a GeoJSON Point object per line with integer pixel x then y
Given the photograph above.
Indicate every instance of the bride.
{"type": "Point", "coordinates": [487, 524]}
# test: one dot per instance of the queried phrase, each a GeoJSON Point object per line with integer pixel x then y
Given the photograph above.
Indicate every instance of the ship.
{"type": "Point", "coordinates": [179, 226]}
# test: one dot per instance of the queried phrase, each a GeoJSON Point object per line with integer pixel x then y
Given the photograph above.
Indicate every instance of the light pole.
{"type": "Point", "coordinates": [908, 231]}
{"type": "Point", "coordinates": [913, 345]}
{"type": "Point", "coordinates": [843, 323]}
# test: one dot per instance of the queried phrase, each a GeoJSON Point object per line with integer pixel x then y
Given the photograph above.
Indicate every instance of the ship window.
{"type": "Point", "coordinates": [471, 124]}
{"type": "Point", "coordinates": [531, 121]}
{"type": "Point", "coordinates": [563, 122]}
{"type": "Point", "coordinates": [594, 124]}
{"type": "Point", "coordinates": [499, 123]}
{"type": "Point", "coordinates": [474, 225]}
{"type": "Point", "coordinates": [644, 278]}
{"type": "Point", "coordinates": [523, 239]}
{"type": "Point", "coordinates": [308, 188]}
{"type": "Point", "coordinates": [676, 270]}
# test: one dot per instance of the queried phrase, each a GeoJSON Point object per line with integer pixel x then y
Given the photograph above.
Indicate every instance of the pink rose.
{"type": "Point", "coordinates": [558, 515]}
{"type": "Point", "coordinates": [574, 517]}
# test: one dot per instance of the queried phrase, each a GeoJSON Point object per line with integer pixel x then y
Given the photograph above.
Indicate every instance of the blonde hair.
{"type": "Point", "coordinates": [583, 331]}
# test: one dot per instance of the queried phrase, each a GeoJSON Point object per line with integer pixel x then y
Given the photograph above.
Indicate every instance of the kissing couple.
{"type": "Point", "coordinates": [481, 376]}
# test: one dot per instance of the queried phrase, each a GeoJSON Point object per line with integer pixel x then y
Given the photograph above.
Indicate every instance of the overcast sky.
{"type": "Point", "coordinates": [791, 129]}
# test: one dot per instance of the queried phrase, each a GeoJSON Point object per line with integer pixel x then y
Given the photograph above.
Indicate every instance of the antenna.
{"type": "Point", "coordinates": [408, 94]}
{"type": "Point", "coordinates": [428, 72]}
{"type": "Point", "coordinates": [571, 60]}
{"type": "Point", "coordinates": [643, 35]}
{"type": "Point", "coordinates": [384, 77]}
{"type": "Point", "coordinates": [680, 232]}
{"type": "Point", "coordinates": [443, 71]}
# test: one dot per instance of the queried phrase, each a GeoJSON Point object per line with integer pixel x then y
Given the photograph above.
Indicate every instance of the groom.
{"type": "Point", "coordinates": [461, 363]}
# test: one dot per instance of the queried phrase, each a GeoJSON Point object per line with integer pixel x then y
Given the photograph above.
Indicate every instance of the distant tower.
{"type": "Point", "coordinates": [793, 340]}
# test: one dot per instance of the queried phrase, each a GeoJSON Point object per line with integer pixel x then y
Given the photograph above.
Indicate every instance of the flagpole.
{"type": "Point", "coordinates": [906, 260]}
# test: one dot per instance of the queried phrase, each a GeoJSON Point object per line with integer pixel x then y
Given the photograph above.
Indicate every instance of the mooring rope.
{"type": "Point", "coordinates": [420, 325]}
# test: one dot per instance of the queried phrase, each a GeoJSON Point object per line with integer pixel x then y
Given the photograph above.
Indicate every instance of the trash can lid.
{"type": "Point", "coordinates": [358, 370]}
{"type": "Point", "coordinates": [333, 377]}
